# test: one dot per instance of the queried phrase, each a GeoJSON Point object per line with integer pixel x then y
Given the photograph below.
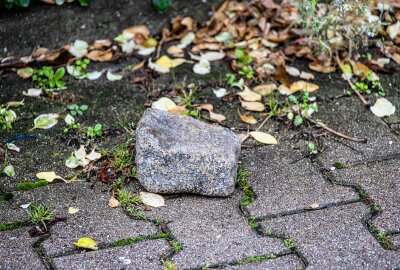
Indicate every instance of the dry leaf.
{"type": "Point", "coordinates": [247, 118]}
{"type": "Point", "coordinates": [48, 176]}
{"type": "Point", "coordinates": [151, 199]}
{"type": "Point", "coordinates": [87, 243]}
{"type": "Point", "coordinates": [265, 89]}
{"type": "Point", "coordinates": [72, 210]}
{"type": "Point", "coordinates": [25, 73]}
{"type": "Point", "coordinates": [217, 117]}
{"type": "Point", "coordinates": [164, 104]}
{"type": "Point", "coordinates": [203, 67]}
{"type": "Point", "coordinates": [303, 86]}
{"type": "Point", "coordinates": [312, 206]}
{"type": "Point", "coordinates": [249, 95]}
{"type": "Point", "coordinates": [292, 71]}
{"type": "Point", "coordinates": [113, 202]}
{"type": "Point", "coordinates": [253, 106]}
{"type": "Point", "coordinates": [101, 56]}
{"type": "Point", "coordinates": [207, 107]}
{"type": "Point", "coordinates": [263, 137]}
{"type": "Point", "coordinates": [383, 107]}
{"type": "Point", "coordinates": [165, 61]}
{"type": "Point", "coordinates": [306, 76]}
{"type": "Point", "coordinates": [175, 51]}
{"type": "Point", "coordinates": [321, 68]}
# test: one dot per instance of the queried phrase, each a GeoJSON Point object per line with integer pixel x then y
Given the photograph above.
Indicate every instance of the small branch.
{"type": "Point", "coordinates": [366, 103]}
{"type": "Point", "coordinates": [259, 127]}
{"type": "Point", "coordinates": [339, 134]}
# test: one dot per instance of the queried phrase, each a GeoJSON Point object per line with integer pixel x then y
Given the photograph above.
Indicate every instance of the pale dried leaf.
{"type": "Point", "coordinates": [253, 106]}
{"type": "Point", "coordinates": [383, 107]}
{"type": "Point", "coordinates": [263, 137]}
{"type": "Point", "coordinates": [151, 199]}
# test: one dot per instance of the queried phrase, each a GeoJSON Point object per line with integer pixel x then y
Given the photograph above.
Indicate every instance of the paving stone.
{"type": "Point", "coordinates": [281, 263]}
{"type": "Point", "coordinates": [395, 239]}
{"type": "Point", "coordinates": [179, 154]}
{"type": "Point", "coordinates": [16, 249]}
{"type": "Point", "coordinates": [142, 255]}
{"type": "Point", "coordinates": [381, 180]}
{"type": "Point", "coordinates": [9, 213]}
{"type": "Point", "coordinates": [212, 231]}
{"type": "Point", "coordinates": [350, 117]}
{"type": "Point", "coordinates": [335, 238]}
{"type": "Point", "coordinates": [285, 182]}
{"type": "Point", "coordinates": [42, 154]}
{"type": "Point", "coordinates": [95, 218]}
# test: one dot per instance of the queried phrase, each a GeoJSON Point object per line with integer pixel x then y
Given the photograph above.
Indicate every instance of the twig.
{"type": "Point", "coordinates": [339, 134]}
{"type": "Point", "coordinates": [259, 127]}
{"type": "Point", "coordinates": [366, 103]}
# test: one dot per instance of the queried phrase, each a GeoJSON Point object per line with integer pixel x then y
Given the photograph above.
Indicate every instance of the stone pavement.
{"type": "Point", "coordinates": [289, 211]}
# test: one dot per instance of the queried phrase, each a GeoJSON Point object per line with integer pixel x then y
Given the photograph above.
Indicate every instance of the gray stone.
{"type": "Point", "coordinates": [335, 238]}
{"type": "Point", "coordinates": [16, 249]}
{"type": "Point", "coordinates": [288, 262]}
{"type": "Point", "coordinates": [395, 239]}
{"type": "Point", "coordinates": [10, 212]}
{"type": "Point", "coordinates": [178, 154]}
{"type": "Point", "coordinates": [95, 218]}
{"type": "Point", "coordinates": [212, 231]}
{"type": "Point", "coordinates": [143, 255]}
{"type": "Point", "coordinates": [284, 182]}
{"type": "Point", "coordinates": [381, 180]}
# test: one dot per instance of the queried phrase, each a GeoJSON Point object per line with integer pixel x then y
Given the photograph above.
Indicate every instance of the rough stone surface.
{"type": "Point", "coordinates": [381, 180]}
{"type": "Point", "coordinates": [289, 262]}
{"type": "Point", "coordinates": [178, 154]}
{"type": "Point", "coordinates": [361, 123]}
{"type": "Point", "coordinates": [16, 249]}
{"type": "Point", "coordinates": [284, 182]}
{"type": "Point", "coordinates": [95, 218]}
{"type": "Point", "coordinates": [218, 232]}
{"type": "Point", "coordinates": [335, 238]}
{"type": "Point", "coordinates": [395, 239]}
{"type": "Point", "coordinates": [143, 255]}
{"type": "Point", "coordinates": [10, 213]}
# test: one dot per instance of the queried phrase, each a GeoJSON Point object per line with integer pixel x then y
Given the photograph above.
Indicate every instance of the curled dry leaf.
{"type": "Point", "coordinates": [253, 106]}
{"type": "Point", "coordinates": [142, 30]}
{"type": "Point", "coordinates": [146, 51]}
{"type": "Point", "coordinates": [101, 56]}
{"type": "Point", "coordinates": [46, 121]}
{"type": "Point", "coordinates": [213, 56]}
{"type": "Point", "coordinates": [164, 104]}
{"type": "Point", "coordinates": [207, 107]}
{"type": "Point", "coordinates": [292, 71]}
{"type": "Point", "coordinates": [87, 243]}
{"type": "Point", "coordinates": [202, 67]}
{"type": "Point", "coordinates": [48, 176]}
{"type": "Point", "coordinates": [321, 68]}
{"type": "Point", "coordinates": [33, 92]}
{"type": "Point", "coordinates": [249, 95]}
{"type": "Point", "coordinates": [175, 51]}
{"type": "Point", "coordinates": [73, 210]}
{"type": "Point", "coordinates": [113, 202]}
{"type": "Point", "coordinates": [79, 48]}
{"type": "Point", "coordinates": [312, 206]}
{"type": "Point", "coordinates": [158, 68]}
{"type": "Point", "coordinates": [113, 77]}
{"type": "Point", "coordinates": [263, 137]}
{"type": "Point", "coordinates": [165, 61]}
{"type": "Point", "coordinates": [13, 147]}
{"type": "Point", "coordinates": [383, 107]}
{"type": "Point", "coordinates": [247, 118]}
{"type": "Point", "coordinates": [303, 86]}
{"type": "Point", "coordinates": [217, 117]}
{"type": "Point", "coordinates": [306, 76]}
{"type": "Point", "coordinates": [15, 104]}
{"type": "Point", "coordinates": [265, 89]}
{"type": "Point", "coordinates": [220, 92]}
{"type": "Point", "coordinates": [151, 199]}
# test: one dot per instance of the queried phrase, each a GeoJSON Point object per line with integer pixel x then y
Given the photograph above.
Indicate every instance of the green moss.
{"type": "Point", "coordinates": [176, 246]}
{"type": "Point", "coordinates": [31, 185]}
{"type": "Point", "coordinates": [127, 241]}
{"type": "Point", "coordinates": [244, 185]}
{"type": "Point", "coordinates": [256, 259]}
{"type": "Point", "coordinates": [254, 223]}
{"type": "Point", "coordinates": [289, 243]}
{"type": "Point", "coordinates": [12, 225]}
{"type": "Point", "coordinates": [160, 236]}
{"type": "Point", "coordinates": [338, 165]}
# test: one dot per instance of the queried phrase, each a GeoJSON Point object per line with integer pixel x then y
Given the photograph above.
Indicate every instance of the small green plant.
{"type": "Point", "coordinates": [338, 165]}
{"type": "Point", "coordinates": [256, 259]}
{"type": "Point", "coordinates": [12, 225]}
{"type": "Point", "coordinates": [80, 66]}
{"type": "Point", "coordinates": [133, 171]}
{"type": "Point", "coordinates": [254, 224]}
{"type": "Point", "coordinates": [243, 184]}
{"type": "Point", "coordinates": [176, 246]}
{"type": "Point", "coordinates": [76, 110]}
{"type": "Point", "coordinates": [289, 243]}
{"type": "Point", "coordinates": [39, 213]}
{"type": "Point", "coordinates": [230, 78]}
{"type": "Point", "coordinates": [136, 213]}
{"type": "Point", "coordinates": [7, 117]}
{"type": "Point", "coordinates": [121, 158]}
{"type": "Point", "coordinates": [302, 107]}
{"type": "Point", "coordinates": [369, 86]}
{"type": "Point", "coordinates": [96, 131]}
{"type": "Point", "coordinates": [128, 241]}
{"type": "Point", "coordinates": [47, 79]}
{"type": "Point", "coordinates": [244, 61]}
{"type": "Point", "coordinates": [161, 5]}
{"type": "Point", "coordinates": [383, 239]}
{"type": "Point", "coordinates": [312, 149]}
{"type": "Point", "coordinates": [170, 266]}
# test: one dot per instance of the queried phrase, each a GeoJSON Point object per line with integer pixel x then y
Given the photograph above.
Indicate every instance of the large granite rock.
{"type": "Point", "coordinates": [179, 154]}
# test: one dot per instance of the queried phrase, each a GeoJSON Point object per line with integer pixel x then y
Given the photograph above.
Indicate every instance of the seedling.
{"type": "Point", "coordinates": [81, 66]}
{"type": "Point", "coordinates": [312, 149]}
{"type": "Point", "coordinates": [176, 246]}
{"type": "Point", "coordinates": [289, 243]}
{"type": "Point", "coordinates": [47, 79]}
{"type": "Point", "coordinates": [7, 117]}
{"type": "Point", "coordinates": [244, 61]}
{"type": "Point", "coordinates": [302, 107]}
{"type": "Point", "coordinates": [126, 198]}
{"type": "Point", "coordinates": [95, 131]}
{"type": "Point", "coordinates": [39, 213]}
{"type": "Point", "coordinates": [75, 109]}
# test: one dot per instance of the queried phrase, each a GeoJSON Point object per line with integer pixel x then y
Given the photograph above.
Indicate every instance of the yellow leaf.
{"type": "Point", "coordinates": [150, 43]}
{"type": "Point", "coordinates": [165, 61]}
{"type": "Point", "coordinates": [48, 176]}
{"type": "Point", "coordinates": [247, 119]}
{"type": "Point", "coordinates": [164, 104]}
{"type": "Point", "coordinates": [86, 243]}
{"type": "Point", "coordinates": [72, 210]}
{"type": "Point", "coordinates": [263, 137]}
{"type": "Point", "coordinates": [253, 106]}
{"type": "Point", "coordinates": [207, 107]}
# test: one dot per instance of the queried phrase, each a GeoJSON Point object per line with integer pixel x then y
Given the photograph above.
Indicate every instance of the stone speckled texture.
{"type": "Point", "coordinates": [95, 218]}
{"type": "Point", "coordinates": [178, 154]}
{"type": "Point", "coordinates": [16, 251]}
{"type": "Point", "coordinates": [284, 182]}
{"type": "Point", "coordinates": [143, 255]}
{"type": "Point", "coordinates": [381, 180]}
{"type": "Point", "coordinates": [335, 238]}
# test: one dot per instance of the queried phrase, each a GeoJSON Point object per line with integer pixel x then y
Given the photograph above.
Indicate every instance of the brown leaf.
{"type": "Point", "coordinates": [265, 89]}
{"type": "Point", "coordinates": [360, 70]}
{"type": "Point", "coordinates": [303, 86]}
{"type": "Point", "coordinates": [138, 66]}
{"type": "Point", "coordinates": [321, 68]}
{"type": "Point", "coordinates": [138, 29]}
{"type": "Point", "coordinates": [207, 107]}
{"type": "Point", "coordinates": [101, 56]}
{"type": "Point", "coordinates": [282, 76]}
{"type": "Point", "coordinates": [253, 106]}
{"type": "Point", "coordinates": [247, 118]}
{"type": "Point", "coordinates": [217, 117]}
{"type": "Point", "coordinates": [175, 51]}
{"type": "Point", "coordinates": [248, 95]}
{"type": "Point", "coordinates": [25, 72]}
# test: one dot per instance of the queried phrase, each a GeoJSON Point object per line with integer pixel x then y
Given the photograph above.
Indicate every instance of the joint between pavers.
{"type": "Point", "coordinates": [38, 249]}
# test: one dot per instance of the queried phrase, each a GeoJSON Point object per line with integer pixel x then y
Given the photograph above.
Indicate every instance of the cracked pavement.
{"type": "Point", "coordinates": [334, 218]}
